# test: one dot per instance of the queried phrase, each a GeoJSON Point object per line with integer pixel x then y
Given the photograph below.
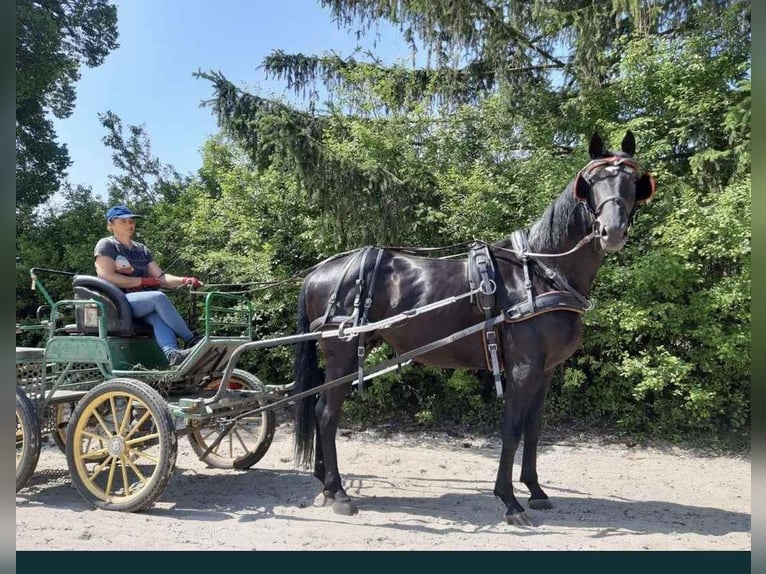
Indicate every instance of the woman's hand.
{"type": "Point", "coordinates": [193, 281]}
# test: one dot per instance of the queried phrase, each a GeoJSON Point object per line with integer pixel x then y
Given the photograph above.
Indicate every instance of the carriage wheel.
{"type": "Point", "coordinates": [121, 445]}
{"type": "Point", "coordinates": [246, 442]}
{"type": "Point", "coordinates": [61, 415]}
{"type": "Point", "coordinates": [27, 439]}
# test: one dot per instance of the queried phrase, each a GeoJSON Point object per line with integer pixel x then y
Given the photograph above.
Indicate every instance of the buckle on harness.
{"type": "Point", "coordinates": [487, 287]}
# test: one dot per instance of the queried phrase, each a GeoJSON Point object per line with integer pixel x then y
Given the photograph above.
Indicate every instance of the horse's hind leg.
{"type": "Point", "coordinates": [328, 417]}
{"type": "Point", "coordinates": [537, 499]}
{"type": "Point", "coordinates": [319, 471]}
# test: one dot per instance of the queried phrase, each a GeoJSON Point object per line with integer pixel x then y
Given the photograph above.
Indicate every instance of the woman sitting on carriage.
{"type": "Point", "coordinates": [130, 266]}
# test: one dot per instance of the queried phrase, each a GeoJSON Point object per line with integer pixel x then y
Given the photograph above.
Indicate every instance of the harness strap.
{"type": "Point", "coordinates": [360, 350]}
{"type": "Point", "coordinates": [546, 302]}
{"type": "Point", "coordinates": [519, 240]}
{"type": "Point", "coordinates": [332, 301]}
{"type": "Point", "coordinates": [481, 277]}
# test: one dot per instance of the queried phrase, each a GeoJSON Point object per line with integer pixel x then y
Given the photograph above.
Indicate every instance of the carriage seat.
{"type": "Point", "coordinates": [119, 319]}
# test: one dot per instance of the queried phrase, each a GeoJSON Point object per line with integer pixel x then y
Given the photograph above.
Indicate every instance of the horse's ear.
{"type": "Point", "coordinates": [629, 143]}
{"type": "Point", "coordinates": [581, 188]}
{"type": "Point", "coordinates": [645, 187]}
{"type": "Point", "coordinates": [596, 147]}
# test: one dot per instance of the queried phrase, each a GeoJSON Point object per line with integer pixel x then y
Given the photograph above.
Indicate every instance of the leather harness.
{"type": "Point", "coordinates": [482, 279]}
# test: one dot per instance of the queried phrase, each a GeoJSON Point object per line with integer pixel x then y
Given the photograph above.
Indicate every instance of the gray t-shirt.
{"type": "Point", "coordinates": [129, 261]}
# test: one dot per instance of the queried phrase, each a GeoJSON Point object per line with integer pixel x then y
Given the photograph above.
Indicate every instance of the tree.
{"type": "Point", "coordinates": [143, 179]}
{"type": "Point", "coordinates": [59, 237]}
{"type": "Point", "coordinates": [53, 39]}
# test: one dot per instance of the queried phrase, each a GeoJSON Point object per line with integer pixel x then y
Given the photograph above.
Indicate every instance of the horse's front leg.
{"type": "Point", "coordinates": [512, 426]}
{"type": "Point", "coordinates": [523, 380]}
{"type": "Point", "coordinates": [328, 417]}
{"type": "Point", "coordinates": [537, 499]}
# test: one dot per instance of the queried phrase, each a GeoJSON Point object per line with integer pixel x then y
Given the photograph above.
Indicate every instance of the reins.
{"type": "Point", "coordinates": [263, 285]}
{"type": "Point", "coordinates": [587, 239]}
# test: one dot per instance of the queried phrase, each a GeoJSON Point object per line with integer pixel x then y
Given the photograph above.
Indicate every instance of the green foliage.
{"type": "Point", "coordinates": [53, 39]}
{"type": "Point", "coordinates": [60, 237]}
{"type": "Point", "coordinates": [143, 179]}
{"type": "Point", "coordinates": [424, 396]}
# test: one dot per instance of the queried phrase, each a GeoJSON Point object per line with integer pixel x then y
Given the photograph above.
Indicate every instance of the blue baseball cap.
{"type": "Point", "coordinates": [120, 212]}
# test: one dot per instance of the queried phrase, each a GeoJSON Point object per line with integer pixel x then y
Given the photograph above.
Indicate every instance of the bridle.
{"type": "Point", "coordinates": [586, 175]}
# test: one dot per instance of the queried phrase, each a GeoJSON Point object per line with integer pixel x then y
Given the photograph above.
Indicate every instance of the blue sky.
{"type": "Point", "coordinates": [148, 79]}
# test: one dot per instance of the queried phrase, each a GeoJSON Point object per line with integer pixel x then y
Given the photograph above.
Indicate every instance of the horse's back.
{"type": "Point", "coordinates": [401, 283]}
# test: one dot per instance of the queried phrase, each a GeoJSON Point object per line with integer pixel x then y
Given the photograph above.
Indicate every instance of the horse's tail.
{"type": "Point", "coordinates": [307, 376]}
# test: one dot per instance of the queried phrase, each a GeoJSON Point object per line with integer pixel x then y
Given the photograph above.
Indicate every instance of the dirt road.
{"type": "Point", "coordinates": [415, 491]}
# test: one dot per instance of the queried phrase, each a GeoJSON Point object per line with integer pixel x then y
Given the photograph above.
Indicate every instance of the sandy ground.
{"type": "Point", "coordinates": [415, 491]}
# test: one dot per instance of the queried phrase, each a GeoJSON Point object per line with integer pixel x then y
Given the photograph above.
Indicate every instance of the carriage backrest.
{"type": "Point", "coordinates": [119, 320]}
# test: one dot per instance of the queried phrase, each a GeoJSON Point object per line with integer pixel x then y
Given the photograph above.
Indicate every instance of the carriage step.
{"type": "Point", "coordinates": [191, 407]}
{"type": "Point", "coordinates": [235, 402]}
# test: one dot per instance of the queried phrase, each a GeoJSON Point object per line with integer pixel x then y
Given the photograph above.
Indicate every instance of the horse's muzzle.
{"type": "Point", "coordinates": [612, 239]}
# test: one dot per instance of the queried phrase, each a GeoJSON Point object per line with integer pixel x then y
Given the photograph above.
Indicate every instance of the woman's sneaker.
{"type": "Point", "coordinates": [196, 338]}
{"type": "Point", "coordinates": [176, 356]}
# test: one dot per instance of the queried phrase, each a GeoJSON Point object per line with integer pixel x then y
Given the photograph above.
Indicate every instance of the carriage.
{"type": "Point", "coordinates": [512, 307]}
{"type": "Point", "coordinates": [102, 390]}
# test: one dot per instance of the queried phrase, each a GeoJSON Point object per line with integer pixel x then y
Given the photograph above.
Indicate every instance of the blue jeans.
{"type": "Point", "coordinates": [155, 308]}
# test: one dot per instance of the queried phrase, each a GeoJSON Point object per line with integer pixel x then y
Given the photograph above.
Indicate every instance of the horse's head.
{"type": "Point", "coordinates": [612, 187]}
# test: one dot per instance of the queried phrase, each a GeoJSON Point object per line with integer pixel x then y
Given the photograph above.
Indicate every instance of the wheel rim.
{"type": "Point", "coordinates": [20, 441]}
{"type": "Point", "coordinates": [117, 450]}
{"type": "Point", "coordinates": [243, 438]}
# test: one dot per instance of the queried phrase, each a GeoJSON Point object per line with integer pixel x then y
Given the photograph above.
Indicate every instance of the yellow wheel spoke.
{"type": "Point", "coordinates": [123, 460]}
{"type": "Point", "coordinates": [141, 439]}
{"type": "Point", "coordinates": [136, 470]}
{"type": "Point", "coordinates": [101, 422]}
{"type": "Point", "coordinates": [95, 455]}
{"type": "Point", "coordinates": [110, 479]}
{"type": "Point", "coordinates": [138, 424]}
{"type": "Point", "coordinates": [113, 406]}
{"type": "Point", "coordinates": [144, 455]}
{"type": "Point", "coordinates": [100, 468]}
{"type": "Point", "coordinates": [94, 436]}
{"type": "Point", "coordinates": [126, 417]}
{"type": "Point", "coordinates": [92, 439]}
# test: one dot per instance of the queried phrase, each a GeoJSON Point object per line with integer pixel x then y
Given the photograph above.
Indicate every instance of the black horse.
{"type": "Point", "coordinates": [537, 283]}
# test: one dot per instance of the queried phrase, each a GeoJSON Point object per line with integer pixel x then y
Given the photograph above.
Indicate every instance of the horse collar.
{"type": "Point", "coordinates": [520, 244]}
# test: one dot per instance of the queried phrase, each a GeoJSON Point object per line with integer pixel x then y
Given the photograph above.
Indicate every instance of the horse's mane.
{"type": "Point", "coordinates": [563, 222]}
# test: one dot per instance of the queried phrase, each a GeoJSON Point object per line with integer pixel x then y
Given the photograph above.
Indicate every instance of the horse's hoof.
{"type": "Point", "coordinates": [518, 519]}
{"type": "Point", "coordinates": [344, 507]}
{"type": "Point", "coordinates": [323, 499]}
{"type": "Point", "coordinates": [540, 504]}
